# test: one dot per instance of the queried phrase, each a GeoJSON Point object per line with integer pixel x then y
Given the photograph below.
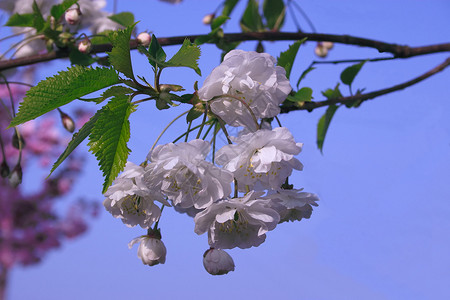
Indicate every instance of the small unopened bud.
{"type": "Point", "coordinates": [320, 50]}
{"type": "Point", "coordinates": [18, 142]}
{"type": "Point", "coordinates": [170, 88]}
{"type": "Point", "coordinates": [144, 38]}
{"type": "Point", "coordinates": [260, 47]}
{"type": "Point", "coordinates": [72, 16]}
{"type": "Point", "coordinates": [85, 46]}
{"type": "Point", "coordinates": [15, 177]}
{"type": "Point", "coordinates": [328, 45]}
{"type": "Point", "coordinates": [67, 122]}
{"type": "Point", "coordinates": [217, 262]}
{"type": "Point", "coordinates": [151, 249]}
{"type": "Point", "coordinates": [4, 169]}
{"type": "Point", "coordinates": [208, 19]}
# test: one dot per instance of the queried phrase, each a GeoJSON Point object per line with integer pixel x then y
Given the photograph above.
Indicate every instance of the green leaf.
{"type": "Point", "coordinates": [332, 93]}
{"type": "Point", "coordinates": [286, 59]}
{"type": "Point", "coordinates": [187, 56]}
{"type": "Point", "coordinates": [219, 21]}
{"type": "Point", "coordinates": [39, 21]}
{"type": "Point", "coordinates": [117, 90]}
{"type": "Point", "coordinates": [156, 52]}
{"type": "Point", "coordinates": [274, 12]}
{"type": "Point", "coordinates": [109, 136]}
{"type": "Point", "coordinates": [78, 58]}
{"type": "Point", "coordinates": [302, 95]}
{"type": "Point", "coordinates": [120, 54]}
{"type": "Point", "coordinates": [124, 18]}
{"type": "Point", "coordinates": [77, 138]}
{"type": "Point", "coordinates": [24, 20]}
{"type": "Point", "coordinates": [61, 89]}
{"type": "Point", "coordinates": [349, 74]}
{"type": "Point", "coordinates": [228, 7]}
{"type": "Point", "coordinates": [195, 112]}
{"type": "Point", "coordinates": [304, 74]}
{"type": "Point", "coordinates": [58, 10]}
{"type": "Point", "coordinates": [111, 92]}
{"type": "Point", "coordinates": [324, 123]}
{"type": "Point", "coordinates": [101, 38]}
{"type": "Point", "coordinates": [251, 20]}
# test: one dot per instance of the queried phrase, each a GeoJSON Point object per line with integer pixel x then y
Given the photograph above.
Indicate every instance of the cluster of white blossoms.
{"type": "Point", "coordinates": [245, 89]}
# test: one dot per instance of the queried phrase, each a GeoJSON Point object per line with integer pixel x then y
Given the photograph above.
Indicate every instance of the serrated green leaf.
{"type": "Point", "coordinates": [117, 90]}
{"type": "Point", "coordinates": [349, 74]}
{"type": "Point", "coordinates": [111, 92]}
{"type": "Point", "coordinates": [304, 73]}
{"type": "Point", "coordinates": [109, 136]}
{"type": "Point", "coordinates": [302, 95]}
{"type": "Point", "coordinates": [274, 12]}
{"type": "Point", "coordinates": [61, 89]}
{"type": "Point", "coordinates": [251, 19]}
{"type": "Point", "coordinates": [286, 59]}
{"type": "Point", "coordinates": [120, 56]}
{"type": "Point", "coordinates": [58, 10]}
{"type": "Point", "coordinates": [324, 123]}
{"type": "Point", "coordinates": [21, 20]}
{"type": "Point", "coordinates": [332, 93]}
{"type": "Point", "coordinates": [187, 56]}
{"type": "Point", "coordinates": [124, 18]}
{"type": "Point", "coordinates": [77, 138]}
{"type": "Point", "coordinates": [228, 7]}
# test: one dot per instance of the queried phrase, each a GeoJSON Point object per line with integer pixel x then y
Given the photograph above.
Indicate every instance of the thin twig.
{"type": "Point", "coordinates": [398, 51]}
{"type": "Point", "coordinates": [288, 106]}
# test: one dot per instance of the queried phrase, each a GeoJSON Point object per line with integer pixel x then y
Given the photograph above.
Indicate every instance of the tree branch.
{"type": "Point", "coordinates": [398, 51]}
{"type": "Point", "coordinates": [288, 106]}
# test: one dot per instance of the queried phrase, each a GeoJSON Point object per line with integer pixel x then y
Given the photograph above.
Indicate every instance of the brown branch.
{"type": "Point", "coordinates": [398, 51]}
{"type": "Point", "coordinates": [288, 106]}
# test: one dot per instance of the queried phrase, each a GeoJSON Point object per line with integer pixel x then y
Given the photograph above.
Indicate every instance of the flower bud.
{"type": "Point", "coordinates": [67, 122]}
{"type": "Point", "coordinates": [144, 38]}
{"type": "Point", "coordinates": [85, 46]}
{"type": "Point", "coordinates": [151, 249]}
{"type": "Point", "coordinates": [72, 16]}
{"type": "Point", "coordinates": [18, 142]}
{"type": "Point", "coordinates": [15, 178]}
{"type": "Point", "coordinates": [217, 262]}
{"type": "Point", "coordinates": [4, 169]}
{"type": "Point", "coordinates": [320, 50]}
{"type": "Point", "coordinates": [328, 45]}
{"type": "Point", "coordinates": [208, 19]}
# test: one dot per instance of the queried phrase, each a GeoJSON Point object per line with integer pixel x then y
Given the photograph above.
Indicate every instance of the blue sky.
{"type": "Point", "coordinates": [381, 228]}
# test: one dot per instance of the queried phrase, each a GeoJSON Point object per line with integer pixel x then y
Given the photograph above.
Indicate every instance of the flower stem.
{"type": "Point", "coordinates": [165, 129]}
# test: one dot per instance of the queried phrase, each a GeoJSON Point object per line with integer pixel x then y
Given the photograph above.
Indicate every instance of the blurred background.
{"type": "Point", "coordinates": [381, 230]}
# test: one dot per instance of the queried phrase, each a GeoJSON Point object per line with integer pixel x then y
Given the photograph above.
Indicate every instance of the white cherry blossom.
{"type": "Point", "coordinates": [250, 77]}
{"type": "Point", "coordinates": [238, 222]}
{"type": "Point", "coordinates": [261, 160]}
{"type": "Point", "coordinates": [292, 205]}
{"type": "Point", "coordinates": [131, 201]}
{"type": "Point", "coordinates": [181, 172]}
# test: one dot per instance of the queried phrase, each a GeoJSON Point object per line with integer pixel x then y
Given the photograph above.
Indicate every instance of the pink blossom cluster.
{"type": "Point", "coordinates": [29, 224]}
